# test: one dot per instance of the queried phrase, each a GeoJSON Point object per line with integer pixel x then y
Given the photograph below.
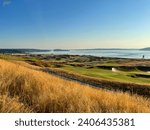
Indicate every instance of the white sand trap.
{"type": "Point", "coordinates": [115, 70]}
{"type": "Point", "coordinates": [148, 71]}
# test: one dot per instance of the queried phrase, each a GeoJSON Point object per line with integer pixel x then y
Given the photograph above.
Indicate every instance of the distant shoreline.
{"type": "Point", "coordinates": [64, 55]}
{"type": "Point", "coordinates": [21, 50]}
{"type": "Point", "coordinates": [112, 53]}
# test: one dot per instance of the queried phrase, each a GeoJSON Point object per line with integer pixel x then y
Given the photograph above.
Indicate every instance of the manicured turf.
{"type": "Point", "coordinates": [109, 75]}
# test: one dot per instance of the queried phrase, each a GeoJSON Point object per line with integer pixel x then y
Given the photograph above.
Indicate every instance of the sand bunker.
{"type": "Point", "coordinates": [115, 70]}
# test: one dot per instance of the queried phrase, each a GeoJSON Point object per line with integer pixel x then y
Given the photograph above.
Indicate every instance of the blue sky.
{"type": "Point", "coordinates": [73, 24]}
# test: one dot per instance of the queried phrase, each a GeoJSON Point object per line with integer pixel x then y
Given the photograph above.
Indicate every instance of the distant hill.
{"type": "Point", "coordinates": [21, 50]}
{"type": "Point", "coordinates": [60, 50]}
{"type": "Point", "coordinates": [146, 49]}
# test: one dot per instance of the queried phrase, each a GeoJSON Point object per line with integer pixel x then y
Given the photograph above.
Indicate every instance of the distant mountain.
{"type": "Point", "coordinates": [22, 50]}
{"type": "Point", "coordinates": [146, 49]}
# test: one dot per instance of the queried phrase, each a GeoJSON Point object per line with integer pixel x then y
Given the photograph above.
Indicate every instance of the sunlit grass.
{"type": "Point", "coordinates": [109, 75]}
{"type": "Point", "coordinates": [24, 89]}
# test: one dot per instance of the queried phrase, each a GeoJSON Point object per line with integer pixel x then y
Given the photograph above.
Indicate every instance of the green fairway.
{"type": "Point", "coordinates": [109, 75]}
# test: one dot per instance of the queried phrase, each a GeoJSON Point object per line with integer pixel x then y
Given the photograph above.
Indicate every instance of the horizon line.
{"type": "Point", "coordinates": [71, 48]}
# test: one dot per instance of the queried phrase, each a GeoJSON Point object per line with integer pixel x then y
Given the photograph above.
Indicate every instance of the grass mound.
{"type": "Point", "coordinates": [23, 89]}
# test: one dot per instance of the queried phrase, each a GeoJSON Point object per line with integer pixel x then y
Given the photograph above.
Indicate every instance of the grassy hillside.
{"type": "Point", "coordinates": [133, 88]}
{"type": "Point", "coordinates": [129, 70]}
{"type": "Point", "coordinates": [23, 89]}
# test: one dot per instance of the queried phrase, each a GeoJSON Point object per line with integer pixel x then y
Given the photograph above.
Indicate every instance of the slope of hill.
{"type": "Point", "coordinates": [23, 89]}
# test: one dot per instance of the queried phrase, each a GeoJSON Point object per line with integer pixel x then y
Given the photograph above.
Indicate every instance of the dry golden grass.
{"type": "Point", "coordinates": [25, 64]}
{"type": "Point", "coordinates": [23, 89]}
{"type": "Point", "coordinates": [8, 105]}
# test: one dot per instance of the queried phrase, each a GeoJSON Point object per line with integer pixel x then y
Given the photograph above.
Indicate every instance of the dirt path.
{"type": "Point", "coordinates": [143, 90]}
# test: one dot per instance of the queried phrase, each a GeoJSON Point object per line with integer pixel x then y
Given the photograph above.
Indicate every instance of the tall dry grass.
{"type": "Point", "coordinates": [8, 105]}
{"type": "Point", "coordinates": [26, 90]}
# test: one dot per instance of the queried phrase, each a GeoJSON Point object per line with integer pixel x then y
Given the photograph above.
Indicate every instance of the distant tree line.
{"type": "Point", "coordinates": [21, 50]}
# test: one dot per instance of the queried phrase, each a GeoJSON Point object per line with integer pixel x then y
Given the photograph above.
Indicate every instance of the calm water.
{"type": "Point", "coordinates": [120, 53]}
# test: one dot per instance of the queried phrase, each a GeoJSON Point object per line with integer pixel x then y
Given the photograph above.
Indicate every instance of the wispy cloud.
{"type": "Point", "coordinates": [6, 2]}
